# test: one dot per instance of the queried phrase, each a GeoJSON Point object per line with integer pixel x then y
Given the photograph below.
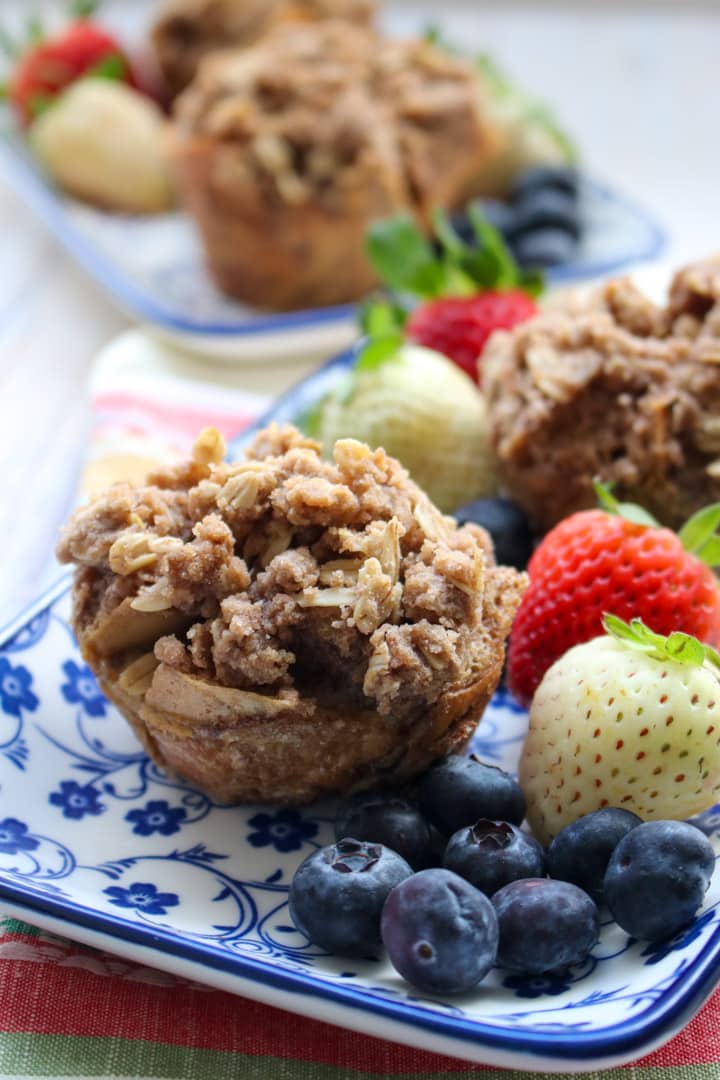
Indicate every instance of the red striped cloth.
{"type": "Point", "coordinates": [76, 1012]}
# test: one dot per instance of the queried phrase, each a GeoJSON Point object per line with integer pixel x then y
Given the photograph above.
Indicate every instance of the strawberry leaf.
{"type": "Point", "coordinates": [679, 647]}
{"type": "Point", "coordinates": [404, 257]}
{"type": "Point", "coordinates": [408, 263]}
{"type": "Point", "coordinates": [685, 649]}
{"type": "Point", "coordinates": [377, 351]}
{"type": "Point", "coordinates": [39, 104]}
{"type": "Point", "coordinates": [699, 530]}
{"type": "Point", "coordinates": [34, 31]}
{"type": "Point", "coordinates": [709, 553]}
{"type": "Point", "coordinates": [629, 511]}
{"type": "Point", "coordinates": [378, 317]}
{"type": "Point", "coordinates": [490, 242]}
{"type": "Point", "coordinates": [83, 9]}
{"type": "Point", "coordinates": [112, 66]}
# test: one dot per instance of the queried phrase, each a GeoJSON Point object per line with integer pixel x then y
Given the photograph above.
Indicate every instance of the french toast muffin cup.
{"type": "Point", "coordinates": [615, 387]}
{"type": "Point", "coordinates": [186, 31]}
{"type": "Point", "coordinates": [284, 628]}
{"type": "Point", "coordinates": [286, 153]}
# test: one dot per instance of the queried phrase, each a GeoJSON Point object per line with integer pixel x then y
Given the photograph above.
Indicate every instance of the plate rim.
{"type": "Point", "coordinates": [30, 185]}
{"type": "Point", "coordinates": [623, 1041]}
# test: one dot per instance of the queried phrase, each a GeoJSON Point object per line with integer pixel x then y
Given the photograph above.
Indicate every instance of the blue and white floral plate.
{"type": "Point", "coordinates": [98, 844]}
{"type": "Point", "coordinates": [154, 270]}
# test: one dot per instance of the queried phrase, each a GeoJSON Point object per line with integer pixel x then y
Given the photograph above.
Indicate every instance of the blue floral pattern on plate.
{"type": "Point", "coordinates": [143, 897]}
{"type": "Point", "coordinates": [285, 831]}
{"type": "Point", "coordinates": [156, 817]}
{"type": "Point", "coordinates": [81, 688]}
{"type": "Point", "coordinates": [94, 833]}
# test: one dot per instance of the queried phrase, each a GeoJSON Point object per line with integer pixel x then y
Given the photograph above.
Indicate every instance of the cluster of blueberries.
{"type": "Point", "coordinates": [451, 885]}
{"type": "Point", "coordinates": [541, 222]}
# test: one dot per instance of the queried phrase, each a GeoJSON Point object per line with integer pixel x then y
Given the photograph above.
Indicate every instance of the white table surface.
{"type": "Point", "coordinates": [636, 84]}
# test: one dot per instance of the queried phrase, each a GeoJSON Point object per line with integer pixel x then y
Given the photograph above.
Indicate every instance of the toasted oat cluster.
{"type": "Point", "coordinates": [289, 587]}
{"type": "Point", "coordinates": [615, 387]}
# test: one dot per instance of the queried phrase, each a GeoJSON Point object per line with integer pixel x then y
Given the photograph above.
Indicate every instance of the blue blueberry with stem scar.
{"type": "Point", "coordinates": [337, 894]}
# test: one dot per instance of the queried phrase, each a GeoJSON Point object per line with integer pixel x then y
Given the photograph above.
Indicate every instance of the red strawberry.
{"type": "Point", "coordinates": [621, 560]}
{"type": "Point", "coordinates": [467, 290]}
{"type": "Point", "coordinates": [51, 64]}
{"type": "Point", "coordinates": [459, 326]}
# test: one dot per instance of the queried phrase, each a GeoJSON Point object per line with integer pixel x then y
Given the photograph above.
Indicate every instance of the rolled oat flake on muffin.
{"type": "Point", "coordinates": [283, 627]}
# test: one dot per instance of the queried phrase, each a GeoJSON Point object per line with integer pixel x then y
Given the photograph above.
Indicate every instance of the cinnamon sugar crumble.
{"type": "Point", "coordinates": [295, 571]}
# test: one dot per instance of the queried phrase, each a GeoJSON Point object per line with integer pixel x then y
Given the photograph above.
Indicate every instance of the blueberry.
{"type": "Point", "coordinates": [390, 820]}
{"type": "Point", "coordinates": [657, 877]}
{"type": "Point", "coordinates": [491, 854]}
{"type": "Point", "coordinates": [441, 934]}
{"type": "Point", "coordinates": [459, 791]}
{"type": "Point", "coordinates": [508, 526]}
{"type": "Point", "coordinates": [547, 209]}
{"type": "Point", "coordinates": [581, 852]}
{"type": "Point", "coordinates": [544, 925]}
{"type": "Point", "coordinates": [337, 894]}
{"type": "Point", "coordinates": [543, 177]}
{"type": "Point", "coordinates": [543, 248]}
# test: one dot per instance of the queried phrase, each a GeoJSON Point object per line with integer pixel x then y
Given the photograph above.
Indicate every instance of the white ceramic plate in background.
{"type": "Point", "coordinates": [153, 267]}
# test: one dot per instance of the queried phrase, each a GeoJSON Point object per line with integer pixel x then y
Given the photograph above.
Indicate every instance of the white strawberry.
{"type": "Point", "coordinates": [629, 719]}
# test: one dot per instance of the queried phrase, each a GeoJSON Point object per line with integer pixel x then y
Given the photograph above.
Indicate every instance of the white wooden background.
{"type": "Point", "coordinates": [637, 84]}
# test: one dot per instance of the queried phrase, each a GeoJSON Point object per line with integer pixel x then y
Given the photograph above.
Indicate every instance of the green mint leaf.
{"type": "Point", "coordinates": [377, 351]}
{"type": "Point", "coordinates": [404, 258]}
{"type": "Point", "coordinates": [629, 511]}
{"type": "Point", "coordinates": [696, 532]}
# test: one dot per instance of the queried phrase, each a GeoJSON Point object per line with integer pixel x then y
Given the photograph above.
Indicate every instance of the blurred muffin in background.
{"type": "Point", "coordinates": [444, 133]}
{"type": "Point", "coordinates": [283, 159]}
{"type": "Point", "coordinates": [285, 153]}
{"type": "Point", "coordinates": [617, 388]}
{"type": "Point", "coordinates": [187, 30]}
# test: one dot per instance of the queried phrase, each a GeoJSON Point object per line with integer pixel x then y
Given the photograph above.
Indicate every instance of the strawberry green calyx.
{"type": "Point", "coordinates": [629, 511]}
{"type": "Point", "coordinates": [412, 265]}
{"type": "Point", "coordinates": [678, 647]}
{"type": "Point", "coordinates": [83, 9]}
{"type": "Point", "coordinates": [698, 535]}
{"type": "Point", "coordinates": [408, 263]}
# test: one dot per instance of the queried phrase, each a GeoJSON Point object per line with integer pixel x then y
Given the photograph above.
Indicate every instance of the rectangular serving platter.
{"type": "Point", "coordinates": [153, 267]}
{"type": "Point", "coordinates": [98, 844]}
